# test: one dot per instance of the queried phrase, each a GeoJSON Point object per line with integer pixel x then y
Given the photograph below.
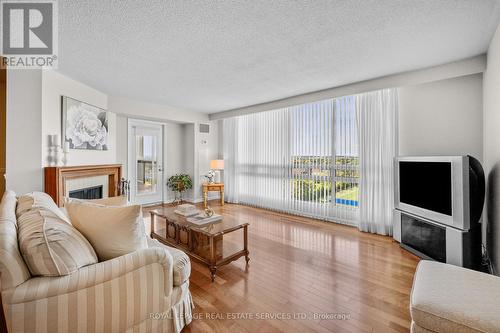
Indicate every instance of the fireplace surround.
{"type": "Point", "coordinates": [56, 179]}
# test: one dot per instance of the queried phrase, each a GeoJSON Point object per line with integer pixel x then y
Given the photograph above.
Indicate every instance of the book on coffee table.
{"type": "Point", "coordinates": [187, 213]}
{"type": "Point", "coordinates": [202, 219]}
{"type": "Point", "coordinates": [186, 210]}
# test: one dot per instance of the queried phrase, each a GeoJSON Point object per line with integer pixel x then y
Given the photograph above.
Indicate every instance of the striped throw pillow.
{"type": "Point", "coordinates": [50, 245]}
{"type": "Point", "coordinates": [34, 200]}
{"type": "Point", "coordinates": [13, 269]}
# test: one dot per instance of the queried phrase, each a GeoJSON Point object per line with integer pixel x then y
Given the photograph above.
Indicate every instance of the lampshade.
{"type": "Point", "coordinates": [217, 164]}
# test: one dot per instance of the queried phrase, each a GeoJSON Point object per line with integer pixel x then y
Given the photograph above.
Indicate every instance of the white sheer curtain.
{"type": "Point", "coordinates": [377, 134]}
{"type": "Point", "coordinates": [256, 148]}
{"type": "Point", "coordinates": [230, 149]}
{"type": "Point", "coordinates": [301, 160]}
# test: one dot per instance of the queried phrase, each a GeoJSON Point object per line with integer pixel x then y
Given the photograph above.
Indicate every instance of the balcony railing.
{"type": "Point", "coordinates": [312, 180]}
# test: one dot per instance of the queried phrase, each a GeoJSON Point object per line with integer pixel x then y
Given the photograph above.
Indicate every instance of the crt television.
{"type": "Point", "coordinates": [445, 189]}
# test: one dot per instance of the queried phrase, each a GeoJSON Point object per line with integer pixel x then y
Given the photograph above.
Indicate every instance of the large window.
{"type": "Point", "coordinates": [316, 178]}
{"type": "Point", "coordinates": [325, 149]}
{"type": "Point", "coordinates": [302, 159]}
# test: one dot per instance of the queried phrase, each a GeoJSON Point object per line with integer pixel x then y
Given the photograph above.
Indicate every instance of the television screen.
{"type": "Point", "coordinates": [426, 185]}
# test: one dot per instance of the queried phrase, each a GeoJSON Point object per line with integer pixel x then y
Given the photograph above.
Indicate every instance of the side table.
{"type": "Point", "coordinates": [217, 187]}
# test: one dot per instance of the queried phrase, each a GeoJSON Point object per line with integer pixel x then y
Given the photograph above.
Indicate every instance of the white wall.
{"type": "Point", "coordinates": [122, 142]}
{"type": "Point", "coordinates": [184, 150]}
{"type": "Point", "coordinates": [34, 113]}
{"type": "Point", "coordinates": [150, 111]}
{"type": "Point", "coordinates": [174, 151]}
{"type": "Point", "coordinates": [200, 149]}
{"type": "Point", "coordinates": [181, 153]}
{"type": "Point", "coordinates": [491, 85]}
{"type": "Point", "coordinates": [442, 118]}
{"type": "Point", "coordinates": [208, 149]}
{"type": "Point", "coordinates": [24, 116]}
{"type": "Point", "coordinates": [190, 159]}
{"type": "Point", "coordinates": [55, 85]}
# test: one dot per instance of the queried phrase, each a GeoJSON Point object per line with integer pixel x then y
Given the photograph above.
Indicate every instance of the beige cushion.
{"type": "Point", "coordinates": [13, 270]}
{"type": "Point", "coordinates": [448, 298]}
{"type": "Point", "coordinates": [112, 231]}
{"type": "Point", "coordinates": [182, 264]}
{"type": "Point", "coordinates": [50, 245]}
{"type": "Point", "coordinates": [110, 201]}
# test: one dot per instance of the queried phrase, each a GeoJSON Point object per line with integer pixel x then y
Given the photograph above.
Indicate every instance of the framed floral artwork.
{"type": "Point", "coordinates": [84, 126]}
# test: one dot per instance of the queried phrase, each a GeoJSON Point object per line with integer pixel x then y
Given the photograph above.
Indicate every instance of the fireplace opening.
{"type": "Point", "coordinates": [94, 192]}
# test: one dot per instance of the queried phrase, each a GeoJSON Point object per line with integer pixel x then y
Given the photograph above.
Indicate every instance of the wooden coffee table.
{"type": "Point", "coordinates": [206, 243]}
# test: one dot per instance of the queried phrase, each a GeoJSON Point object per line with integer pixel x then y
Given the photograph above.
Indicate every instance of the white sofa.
{"type": "Point", "coordinates": [147, 290]}
{"type": "Point", "coordinates": [447, 298]}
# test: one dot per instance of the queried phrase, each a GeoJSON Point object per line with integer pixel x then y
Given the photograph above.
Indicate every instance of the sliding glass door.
{"type": "Point", "coordinates": [302, 159]}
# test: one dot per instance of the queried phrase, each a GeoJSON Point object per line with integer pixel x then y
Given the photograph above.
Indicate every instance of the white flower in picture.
{"type": "Point", "coordinates": [85, 126]}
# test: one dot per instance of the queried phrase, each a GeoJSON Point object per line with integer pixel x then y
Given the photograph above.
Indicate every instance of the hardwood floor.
{"type": "Point", "coordinates": [318, 276]}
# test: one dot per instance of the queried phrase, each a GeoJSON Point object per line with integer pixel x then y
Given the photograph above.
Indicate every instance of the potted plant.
{"type": "Point", "coordinates": [179, 183]}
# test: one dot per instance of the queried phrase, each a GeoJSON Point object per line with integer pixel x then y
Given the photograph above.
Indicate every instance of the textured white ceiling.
{"type": "Point", "coordinates": [210, 56]}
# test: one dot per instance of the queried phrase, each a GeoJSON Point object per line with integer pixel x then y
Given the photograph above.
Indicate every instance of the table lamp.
{"type": "Point", "coordinates": [217, 165]}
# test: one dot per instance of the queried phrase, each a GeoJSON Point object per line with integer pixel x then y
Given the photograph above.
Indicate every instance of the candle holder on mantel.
{"type": "Point", "coordinates": [65, 157]}
{"type": "Point", "coordinates": [54, 157]}
{"type": "Point", "coordinates": [58, 155]}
